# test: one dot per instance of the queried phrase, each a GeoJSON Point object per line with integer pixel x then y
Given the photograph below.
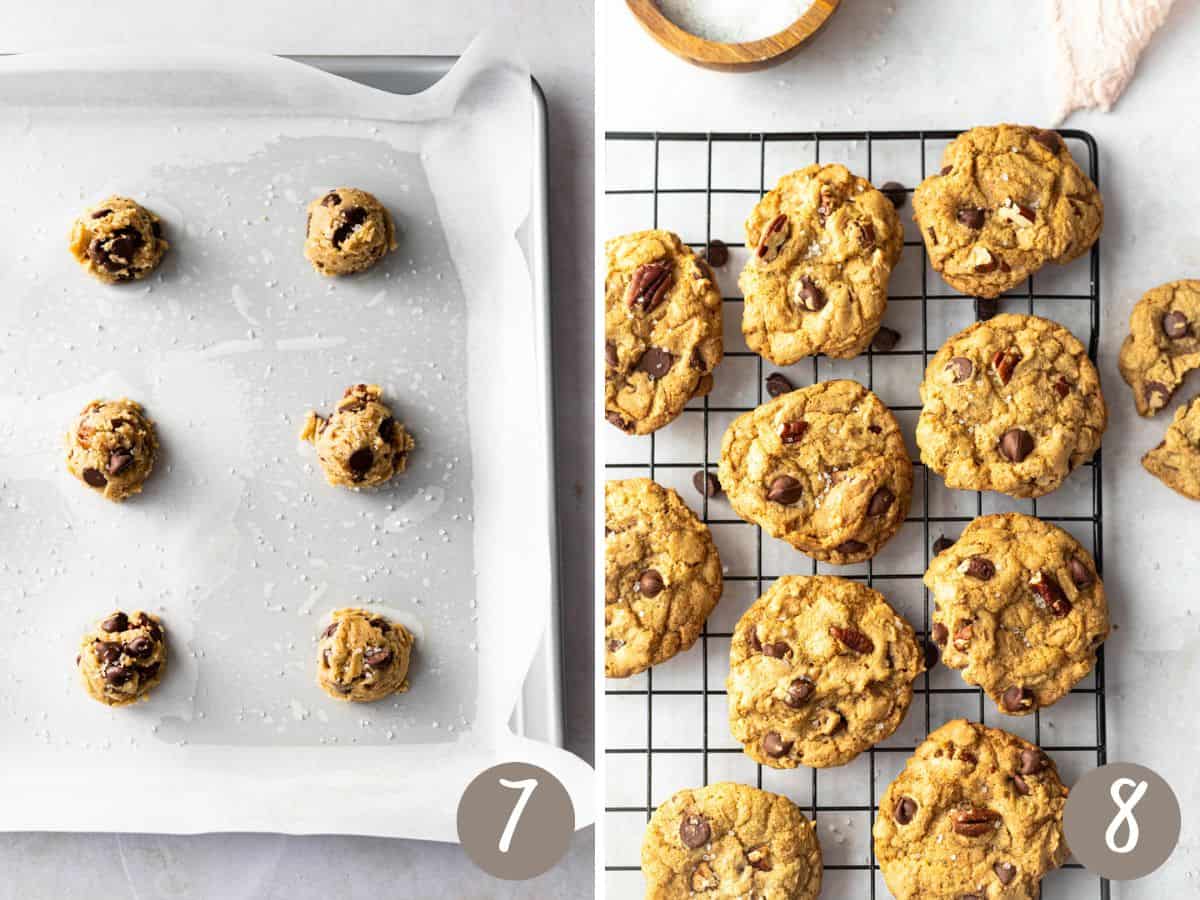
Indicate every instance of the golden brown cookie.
{"type": "Point", "coordinates": [1176, 461]}
{"type": "Point", "coordinates": [123, 658]}
{"type": "Point", "coordinates": [820, 669]}
{"type": "Point", "coordinates": [662, 576]}
{"type": "Point", "coordinates": [976, 813]}
{"type": "Point", "coordinates": [347, 231]}
{"type": "Point", "coordinates": [118, 240]}
{"type": "Point", "coordinates": [111, 448]}
{"type": "Point", "coordinates": [1008, 200]}
{"type": "Point", "coordinates": [825, 245]}
{"type": "Point", "coordinates": [730, 842]}
{"type": "Point", "coordinates": [1019, 609]}
{"type": "Point", "coordinates": [1163, 343]}
{"type": "Point", "coordinates": [362, 656]}
{"type": "Point", "coordinates": [662, 330]}
{"type": "Point", "coordinates": [1011, 404]}
{"type": "Point", "coordinates": [823, 468]}
{"type": "Point", "coordinates": [361, 444]}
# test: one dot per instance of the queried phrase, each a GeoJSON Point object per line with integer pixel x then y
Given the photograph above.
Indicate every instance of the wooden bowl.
{"type": "Point", "coordinates": [741, 57]}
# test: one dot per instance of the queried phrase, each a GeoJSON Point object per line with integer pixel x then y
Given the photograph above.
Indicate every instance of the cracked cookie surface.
{"type": "Point", "coordinates": [1176, 461]}
{"type": "Point", "coordinates": [118, 240]}
{"type": "Point", "coordinates": [347, 231]}
{"type": "Point", "coordinates": [977, 812]}
{"type": "Point", "coordinates": [362, 656]}
{"type": "Point", "coordinates": [123, 657]}
{"type": "Point", "coordinates": [362, 444]}
{"type": "Point", "coordinates": [820, 669]}
{"type": "Point", "coordinates": [1163, 343]}
{"type": "Point", "coordinates": [112, 447]}
{"type": "Point", "coordinates": [662, 576]}
{"type": "Point", "coordinates": [662, 330]}
{"type": "Point", "coordinates": [1008, 200]}
{"type": "Point", "coordinates": [1018, 609]}
{"type": "Point", "coordinates": [1011, 404]}
{"type": "Point", "coordinates": [728, 841]}
{"type": "Point", "coordinates": [825, 242]}
{"type": "Point", "coordinates": [824, 468]}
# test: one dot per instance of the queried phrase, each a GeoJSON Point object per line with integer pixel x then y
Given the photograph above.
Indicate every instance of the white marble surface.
{"type": "Point", "coordinates": [883, 64]}
{"type": "Point", "coordinates": [556, 39]}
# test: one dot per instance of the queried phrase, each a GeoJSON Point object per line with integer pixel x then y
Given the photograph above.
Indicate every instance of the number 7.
{"type": "Point", "coordinates": [527, 787]}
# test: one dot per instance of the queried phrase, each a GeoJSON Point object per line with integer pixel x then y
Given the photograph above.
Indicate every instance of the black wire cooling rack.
{"type": "Point", "coordinates": [656, 181]}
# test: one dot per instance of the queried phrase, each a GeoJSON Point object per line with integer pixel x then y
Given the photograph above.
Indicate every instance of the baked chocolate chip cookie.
{"type": "Point", "coordinates": [362, 444]}
{"type": "Point", "coordinates": [362, 656]}
{"type": "Point", "coordinates": [662, 330]}
{"type": "Point", "coordinates": [1019, 609]}
{"type": "Point", "coordinates": [122, 658]}
{"type": "Point", "coordinates": [112, 447]}
{"type": "Point", "coordinates": [825, 245]}
{"type": "Point", "coordinates": [976, 813]}
{"type": "Point", "coordinates": [118, 240]}
{"type": "Point", "coordinates": [662, 576]}
{"type": "Point", "coordinates": [1176, 461]}
{"type": "Point", "coordinates": [823, 468]}
{"type": "Point", "coordinates": [1163, 343]}
{"type": "Point", "coordinates": [347, 231]}
{"type": "Point", "coordinates": [820, 669]}
{"type": "Point", "coordinates": [1011, 404]}
{"type": "Point", "coordinates": [728, 842]}
{"type": "Point", "coordinates": [1008, 200]}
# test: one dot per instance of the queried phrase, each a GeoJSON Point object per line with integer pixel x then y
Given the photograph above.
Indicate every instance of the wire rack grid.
{"type": "Point", "coordinates": [665, 730]}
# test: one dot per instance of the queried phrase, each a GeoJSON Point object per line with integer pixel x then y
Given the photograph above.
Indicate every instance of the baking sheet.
{"type": "Point", "coordinates": [237, 542]}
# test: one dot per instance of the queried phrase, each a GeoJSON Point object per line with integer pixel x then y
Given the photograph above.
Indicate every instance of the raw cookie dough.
{"type": "Point", "coordinates": [123, 657]}
{"type": "Point", "coordinates": [348, 231]}
{"type": "Point", "coordinates": [826, 243]}
{"type": "Point", "coordinates": [362, 656]}
{"type": "Point", "coordinates": [361, 444]}
{"type": "Point", "coordinates": [1163, 343]}
{"type": "Point", "coordinates": [662, 330]}
{"type": "Point", "coordinates": [1019, 609]}
{"type": "Point", "coordinates": [662, 576]}
{"type": "Point", "coordinates": [820, 669]}
{"type": "Point", "coordinates": [118, 240]}
{"type": "Point", "coordinates": [977, 812]}
{"type": "Point", "coordinates": [823, 468]}
{"type": "Point", "coordinates": [730, 842]}
{"type": "Point", "coordinates": [1011, 404]}
{"type": "Point", "coordinates": [1176, 461]}
{"type": "Point", "coordinates": [1008, 200]}
{"type": "Point", "coordinates": [111, 447]}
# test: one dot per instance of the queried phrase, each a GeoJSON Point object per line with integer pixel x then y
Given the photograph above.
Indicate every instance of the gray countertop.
{"type": "Point", "coordinates": [556, 38]}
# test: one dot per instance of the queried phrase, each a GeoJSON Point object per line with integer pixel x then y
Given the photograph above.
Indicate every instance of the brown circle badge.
{"type": "Point", "coordinates": [1122, 821]}
{"type": "Point", "coordinates": [515, 820]}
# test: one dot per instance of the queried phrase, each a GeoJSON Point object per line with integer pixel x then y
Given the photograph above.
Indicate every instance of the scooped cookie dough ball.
{"type": "Point", "coordinates": [362, 656]}
{"type": "Point", "coordinates": [118, 240]}
{"type": "Point", "coordinates": [361, 444]}
{"type": "Point", "coordinates": [111, 448]}
{"type": "Point", "coordinates": [348, 231]}
{"type": "Point", "coordinates": [123, 657]}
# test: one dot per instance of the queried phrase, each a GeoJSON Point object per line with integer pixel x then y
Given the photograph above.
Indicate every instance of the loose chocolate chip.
{"type": "Point", "coordinates": [716, 253]}
{"type": "Point", "coordinates": [119, 461]}
{"type": "Point", "coordinates": [1016, 444]}
{"type": "Point", "coordinates": [615, 644]}
{"type": "Point", "coordinates": [905, 810]}
{"type": "Point", "coordinates": [1175, 325]}
{"type": "Point", "coordinates": [1021, 785]}
{"type": "Point", "coordinates": [986, 308]}
{"type": "Point", "coordinates": [118, 621]}
{"type": "Point", "coordinates": [885, 339]}
{"type": "Point", "coordinates": [941, 634]}
{"type": "Point", "coordinates": [792, 432]}
{"type": "Point", "coordinates": [785, 490]}
{"type": "Point", "coordinates": [1080, 574]}
{"type": "Point", "coordinates": [961, 369]}
{"type": "Point", "coordinates": [140, 647]}
{"type": "Point", "coordinates": [881, 502]}
{"type": "Point", "coordinates": [778, 384]}
{"type": "Point", "coordinates": [852, 638]}
{"type": "Point", "coordinates": [1048, 139]}
{"type": "Point", "coordinates": [1005, 871]}
{"type": "Point", "coordinates": [895, 192]}
{"type": "Point", "coordinates": [107, 651]}
{"type": "Point", "coordinates": [809, 295]}
{"type": "Point", "coordinates": [378, 657]}
{"type": "Point", "coordinates": [778, 650]}
{"type": "Point", "coordinates": [850, 547]}
{"type": "Point", "coordinates": [650, 583]}
{"type": "Point", "coordinates": [610, 354]}
{"type": "Point", "coordinates": [331, 199]}
{"type": "Point", "coordinates": [799, 691]}
{"type": "Point", "coordinates": [694, 831]}
{"type": "Point", "coordinates": [942, 543]}
{"type": "Point", "coordinates": [655, 362]}
{"type": "Point", "coordinates": [980, 567]}
{"type": "Point", "coordinates": [1017, 699]}
{"type": "Point", "coordinates": [94, 478]}
{"type": "Point", "coordinates": [360, 461]}
{"type": "Point", "coordinates": [1032, 762]}
{"type": "Point", "coordinates": [775, 746]}
{"type": "Point", "coordinates": [116, 675]}
{"type": "Point", "coordinates": [352, 220]}
{"type": "Point", "coordinates": [971, 216]}
{"type": "Point", "coordinates": [706, 483]}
